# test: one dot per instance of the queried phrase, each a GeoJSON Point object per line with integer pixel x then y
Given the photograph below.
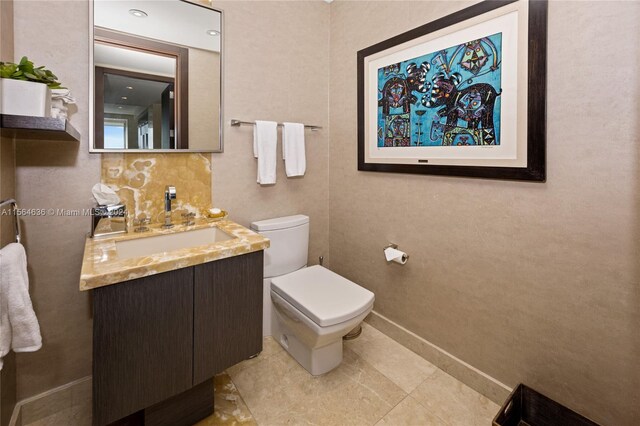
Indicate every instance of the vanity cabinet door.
{"type": "Point", "coordinates": [142, 343]}
{"type": "Point", "coordinates": [227, 313]}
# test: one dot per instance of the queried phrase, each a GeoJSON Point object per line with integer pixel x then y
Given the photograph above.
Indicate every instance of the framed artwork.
{"type": "Point", "coordinates": [463, 95]}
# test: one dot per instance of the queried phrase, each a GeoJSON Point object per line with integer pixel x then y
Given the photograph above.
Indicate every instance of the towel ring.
{"type": "Point", "coordinates": [16, 222]}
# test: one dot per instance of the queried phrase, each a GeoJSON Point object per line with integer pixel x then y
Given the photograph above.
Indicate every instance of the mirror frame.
{"type": "Point", "coordinates": [92, 125]}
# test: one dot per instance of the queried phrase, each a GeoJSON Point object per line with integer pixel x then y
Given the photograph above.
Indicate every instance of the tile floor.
{"type": "Point", "coordinates": [379, 382]}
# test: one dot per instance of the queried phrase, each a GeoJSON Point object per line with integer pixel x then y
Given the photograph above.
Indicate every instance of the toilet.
{"type": "Point", "coordinates": [307, 309]}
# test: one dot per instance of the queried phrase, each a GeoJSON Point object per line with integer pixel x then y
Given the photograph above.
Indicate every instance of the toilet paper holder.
{"type": "Point", "coordinates": [405, 256]}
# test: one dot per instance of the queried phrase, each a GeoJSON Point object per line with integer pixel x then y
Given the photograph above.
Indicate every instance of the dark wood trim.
{"type": "Point", "coordinates": [98, 108]}
{"type": "Point", "coordinates": [135, 419]}
{"type": "Point", "coordinates": [133, 42]}
{"type": "Point", "coordinates": [184, 409]}
{"type": "Point", "coordinates": [537, 91]}
{"type": "Point", "coordinates": [182, 101]}
{"type": "Point", "coordinates": [536, 122]}
{"type": "Point", "coordinates": [135, 74]}
{"type": "Point", "coordinates": [181, 54]}
{"type": "Point", "coordinates": [40, 128]}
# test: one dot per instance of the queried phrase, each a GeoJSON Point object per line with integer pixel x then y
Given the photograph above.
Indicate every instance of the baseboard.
{"type": "Point", "coordinates": [52, 401]}
{"type": "Point", "coordinates": [467, 374]}
{"type": "Point", "coordinates": [16, 417]}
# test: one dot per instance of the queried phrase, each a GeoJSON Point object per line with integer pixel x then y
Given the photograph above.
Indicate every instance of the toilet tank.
{"type": "Point", "coordinates": [289, 243]}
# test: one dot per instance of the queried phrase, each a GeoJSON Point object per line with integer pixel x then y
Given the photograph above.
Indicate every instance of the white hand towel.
{"type": "Point", "coordinates": [19, 329]}
{"type": "Point", "coordinates": [265, 138]}
{"type": "Point", "coordinates": [293, 149]}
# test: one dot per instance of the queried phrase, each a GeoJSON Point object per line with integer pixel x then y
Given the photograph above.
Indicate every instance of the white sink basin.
{"type": "Point", "coordinates": [128, 249]}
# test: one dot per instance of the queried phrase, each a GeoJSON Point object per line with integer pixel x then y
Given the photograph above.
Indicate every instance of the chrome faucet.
{"type": "Point", "coordinates": [169, 194]}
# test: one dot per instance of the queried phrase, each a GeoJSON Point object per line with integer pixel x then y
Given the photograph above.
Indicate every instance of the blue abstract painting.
{"type": "Point", "coordinates": [446, 98]}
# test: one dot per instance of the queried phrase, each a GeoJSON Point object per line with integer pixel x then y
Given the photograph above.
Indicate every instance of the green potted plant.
{"type": "Point", "coordinates": [26, 89]}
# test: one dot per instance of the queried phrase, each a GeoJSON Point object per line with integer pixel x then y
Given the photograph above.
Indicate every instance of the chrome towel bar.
{"type": "Point", "coordinates": [237, 123]}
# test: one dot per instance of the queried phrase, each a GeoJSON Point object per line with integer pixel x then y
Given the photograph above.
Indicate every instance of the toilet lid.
{"type": "Point", "coordinates": [324, 296]}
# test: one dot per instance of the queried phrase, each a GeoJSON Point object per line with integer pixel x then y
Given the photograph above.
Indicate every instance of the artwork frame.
{"type": "Point", "coordinates": [512, 115]}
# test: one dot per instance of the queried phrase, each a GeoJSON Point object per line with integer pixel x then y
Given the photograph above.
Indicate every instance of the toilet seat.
{"type": "Point", "coordinates": [322, 295]}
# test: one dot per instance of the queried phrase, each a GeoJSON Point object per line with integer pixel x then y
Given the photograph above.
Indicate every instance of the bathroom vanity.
{"type": "Point", "coordinates": [166, 321]}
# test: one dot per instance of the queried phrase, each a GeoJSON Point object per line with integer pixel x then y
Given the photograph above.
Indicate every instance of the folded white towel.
{"type": "Point", "coordinates": [265, 138]}
{"type": "Point", "coordinates": [58, 104]}
{"type": "Point", "coordinates": [59, 113]}
{"type": "Point", "coordinates": [19, 329]}
{"type": "Point", "coordinates": [293, 149]}
{"type": "Point", "coordinates": [63, 94]}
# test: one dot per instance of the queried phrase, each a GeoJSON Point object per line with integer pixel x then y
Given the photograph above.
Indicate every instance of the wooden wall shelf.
{"type": "Point", "coordinates": [40, 128]}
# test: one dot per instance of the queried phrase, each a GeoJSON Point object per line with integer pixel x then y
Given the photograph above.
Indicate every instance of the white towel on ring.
{"type": "Point", "coordinates": [265, 139]}
{"type": "Point", "coordinates": [19, 328]}
{"type": "Point", "coordinates": [293, 149]}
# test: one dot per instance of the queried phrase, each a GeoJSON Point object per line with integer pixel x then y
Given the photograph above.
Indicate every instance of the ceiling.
{"type": "Point", "coordinates": [108, 56]}
{"type": "Point", "coordinates": [172, 21]}
{"type": "Point", "coordinates": [139, 93]}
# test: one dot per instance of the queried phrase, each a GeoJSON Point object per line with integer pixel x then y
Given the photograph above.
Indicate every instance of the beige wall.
{"type": "Point", "coordinates": [535, 282]}
{"type": "Point", "coordinates": [292, 84]}
{"type": "Point", "coordinates": [7, 190]}
{"type": "Point", "coordinates": [56, 175]}
{"type": "Point", "coordinates": [8, 387]}
{"type": "Point", "coordinates": [204, 99]}
{"type": "Point", "coordinates": [529, 282]}
{"type": "Point", "coordinates": [276, 68]}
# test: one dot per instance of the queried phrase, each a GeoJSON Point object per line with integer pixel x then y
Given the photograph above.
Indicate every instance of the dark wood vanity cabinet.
{"type": "Point", "coordinates": [142, 343]}
{"type": "Point", "coordinates": [229, 296]}
{"type": "Point", "coordinates": [157, 337]}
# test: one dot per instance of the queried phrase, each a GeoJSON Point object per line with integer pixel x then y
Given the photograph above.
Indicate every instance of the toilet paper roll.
{"type": "Point", "coordinates": [395, 255]}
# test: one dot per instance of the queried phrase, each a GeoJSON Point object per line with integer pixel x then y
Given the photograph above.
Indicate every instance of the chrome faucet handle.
{"type": "Point", "coordinates": [189, 219]}
{"type": "Point", "coordinates": [169, 194]}
{"type": "Point", "coordinates": [141, 224]}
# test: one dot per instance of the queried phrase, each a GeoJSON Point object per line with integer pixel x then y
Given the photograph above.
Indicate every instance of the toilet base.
{"type": "Point", "coordinates": [316, 361]}
{"type": "Point", "coordinates": [317, 349]}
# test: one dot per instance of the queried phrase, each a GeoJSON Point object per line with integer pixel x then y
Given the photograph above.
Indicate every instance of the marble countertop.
{"type": "Point", "coordinates": [101, 265]}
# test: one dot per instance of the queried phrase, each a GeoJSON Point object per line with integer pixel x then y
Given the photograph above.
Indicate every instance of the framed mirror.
{"type": "Point", "coordinates": [156, 76]}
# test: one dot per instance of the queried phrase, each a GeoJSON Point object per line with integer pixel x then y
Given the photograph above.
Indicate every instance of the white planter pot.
{"type": "Point", "coordinates": [24, 98]}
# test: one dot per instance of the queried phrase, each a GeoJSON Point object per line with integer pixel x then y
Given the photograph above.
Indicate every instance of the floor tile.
{"type": "Point", "coordinates": [278, 390]}
{"type": "Point", "coordinates": [454, 402]}
{"type": "Point", "coordinates": [229, 406]}
{"type": "Point", "coordinates": [404, 367]}
{"type": "Point", "coordinates": [411, 413]}
{"type": "Point", "coordinates": [379, 382]}
{"type": "Point", "coordinates": [269, 347]}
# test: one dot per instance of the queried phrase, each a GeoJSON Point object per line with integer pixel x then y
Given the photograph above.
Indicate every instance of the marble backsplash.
{"type": "Point", "coordinates": [140, 181]}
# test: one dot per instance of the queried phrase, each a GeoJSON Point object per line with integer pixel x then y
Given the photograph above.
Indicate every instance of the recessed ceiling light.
{"type": "Point", "coordinates": [119, 107]}
{"type": "Point", "coordinates": [129, 87]}
{"type": "Point", "coordinates": [124, 98]}
{"type": "Point", "coordinates": [138, 13]}
{"type": "Point", "coordinates": [213, 32]}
